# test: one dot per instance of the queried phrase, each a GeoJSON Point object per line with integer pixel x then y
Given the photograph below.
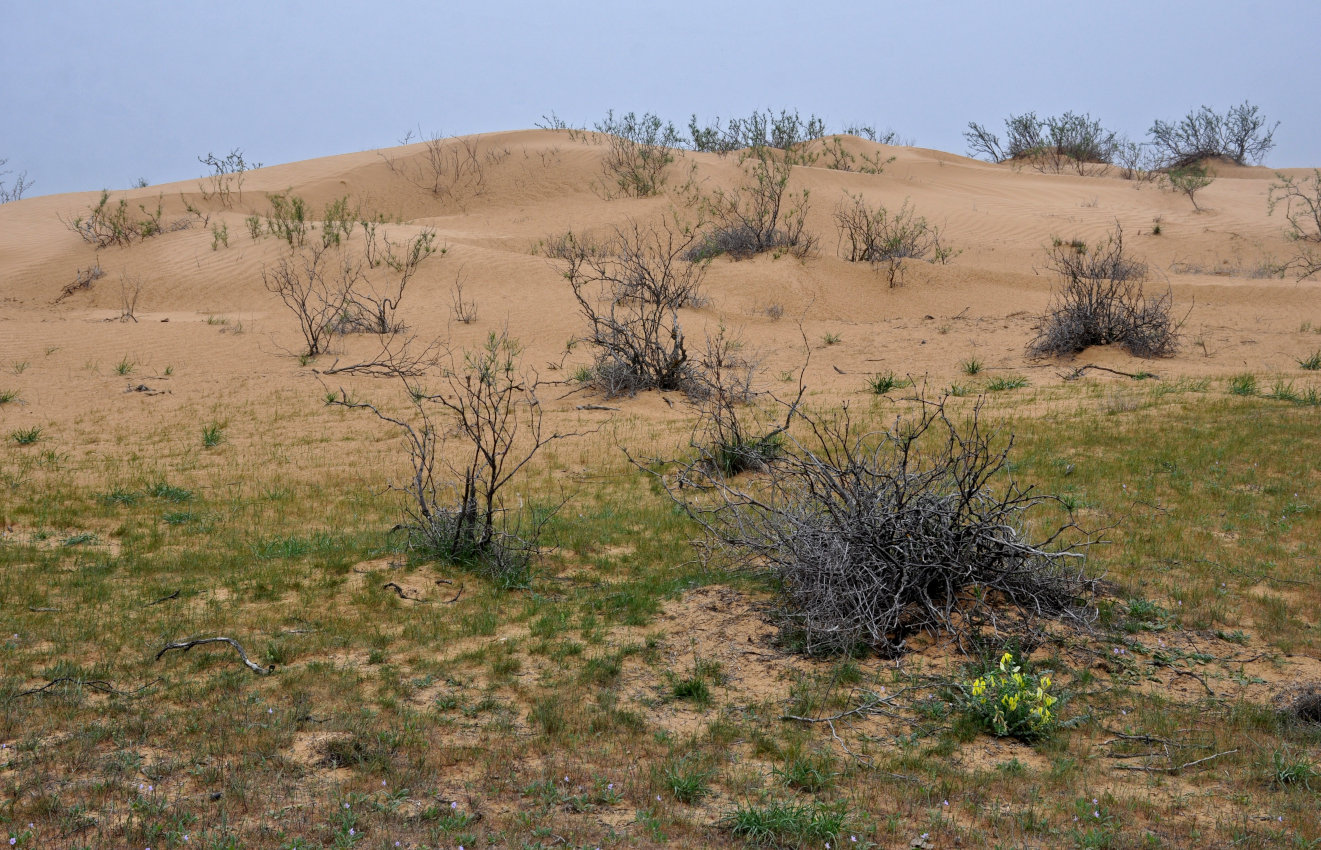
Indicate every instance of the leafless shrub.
{"type": "Point", "coordinates": [376, 290]}
{"type": "Point", "coordinates": [1301, 702]}
{"type": "Point", "coordinates": [129, 290]}
{"type": "Point", "coordinates": [464, 311]}
{"type": "Point", "coordinates": [873, 536]}
{"type": "Point", "coordinates": [450, 168]}
{"type": "Point", "coordinates": [761, 215]}
{"type": "Point", "coordinates": [466, 444]}
{"type": "Point", "coordinates": [630, 289]}
{"type": "Point", "coordinates": [1100, 301]}
{"type": "Point", "coordinates": [886, 239]}
{"type": "Point", "coordinates": [639, 152]}
{"type": "Point", "coordinates": [1302, 209]}
{"type": "Point", "coordinates": [82, 281]}
{"type": "Point", "coordinates": [14, 191]}
{"type": "Point", "coordinates": [733, 433]}
{"type": "Point", "coordinates": [316, 284]}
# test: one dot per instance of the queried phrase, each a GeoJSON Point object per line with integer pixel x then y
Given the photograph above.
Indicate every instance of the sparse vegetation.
{"type": "Point", "coordinates": [1302, 209]}
{"type": "Point", "coordinates": [886, 239]}
{"type": "Point", "coordinates": [109, 224]}
{"type": "Point", "coordinates": [226, 177]}
{"type": "Point", "coordinates": [1051, 144]}
{"type": "Point", "coordinates": [12, 191]}
{"type": "Point", "coordinates": [761, 215]}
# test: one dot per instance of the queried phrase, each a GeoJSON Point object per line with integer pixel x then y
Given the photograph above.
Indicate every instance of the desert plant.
{"type": "Point", "coordinates": [1010, 701]}
{"type": "Point", "coordinates": [1050, 144]}
{"type": "Point", "coordinates": [219, 236]}
{"type": "Point", "coordinates": [1008, 382]}
{"type": "Point", "coordinates": [129, 290]}
{"type": "Point", "coordinates": [630, 289]}
{"type": "Point", "coordinates": [1241, 135]}
{"type": "Point", "coordinates": [761, 215]}
{"type": "Point", "coordinates": [456, 499]}
{"type": "Point", "coordinates": [374, 292]}
{"type": "Point", "coordinates": [1312, 363]}
{"type": "Point", "coordinates": [464, 311]}
{"type": "Point", "coordinates": [287, 218]}
{"type": "Point", "coordinates": [1099, 301]}
{"type": "Point", "coordinates": [1189, 180]}
{"type": "Point", "coordinates": [226, 177]}
{"type": "Point", "coordinates": [687, 780]}
{"type": "Point", "coordinates": [1288, 768]}
{"type": "Point", "coordinates": [886, 239]}
{"type": "Point", "coordinates": [971, 366]}
{"type": "Point", "coordinates": [787, 132]}
{"type": "Point", "coordinates": [639, 151]}
{"type": "Point", "coordinates": [1302, 209]}
{"type": "Point", "coordinates": [871, 536]}
{"type": "Point", "coordinates": [731, 434]}
{"type": "Point", "coordinates": [12, 191]}
{"type": "Point", "coordinates": [449, 168]}
{"type": "Point", "coordinates": [317, 287]}
{"type": "Point", "coordinates": [338, 221]}
{"type": "Point", "coordinates": [109, 224]}
{"type": "Point", "coordinates": [82, 280]}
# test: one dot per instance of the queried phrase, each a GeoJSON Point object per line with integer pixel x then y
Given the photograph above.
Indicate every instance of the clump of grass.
{"type": "Point", "coordinates": [1008, 382]}
{"type": "Point", "coordinates": [1312, 363]}
{"type": "Point", "coordinates": [1289, 769]}
{"type": "Point", "coordinates": [80, 539]}
{"type": "Point", "coordinates": [213, 434]}
{"type": "Point", "coordinates": [808, 772]}
{"type": "Point", "coordinates": [830, 339]}
{"type": "Point", "coordinates": [178, 517]}
{"type": "Point", "coordinates": [779, 822]}
{"type": "Point", "coordinates": [169, 492]}
{"type": "Point", "coordinates": [884, 382]}
{"type": "Point", "coordinates": [7, 396]}
{"type": "Point", "coordinates": [1244, 384]}
{"type": "Point", "coordinates": [971, 366]}
{"type": "Point", "coordinates": [26, 436]}
{"type": "Point", "coordinates": [1283, 390]}
{"type": "Point", "coordinates": [685, 779]}
{"type": "Point", "coordinates": [118, 496]}
{"type": "Point", "coordinates": [124, 366]}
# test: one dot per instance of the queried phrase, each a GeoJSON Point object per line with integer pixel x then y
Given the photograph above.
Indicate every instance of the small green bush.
{"type": "Point", "coordinates": [1011, 703]}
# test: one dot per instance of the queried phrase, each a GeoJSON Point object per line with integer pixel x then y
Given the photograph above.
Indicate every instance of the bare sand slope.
{"type": "Point", "coordinates": [203, 314]}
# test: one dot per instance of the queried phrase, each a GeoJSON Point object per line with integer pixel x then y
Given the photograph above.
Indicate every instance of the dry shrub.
{"type": "Point", "coordinates": [630, 289]}
{"type": "Point", "coordinates": [885, 239]}
{"type": "Point", "coordinates": [871, 536]}
{"type": "Point", "coordinates": [1100, 301]}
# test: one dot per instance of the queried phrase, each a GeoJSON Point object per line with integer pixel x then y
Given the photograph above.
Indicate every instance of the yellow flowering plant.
{"type": "Point", "coordinates": [1009, 702]}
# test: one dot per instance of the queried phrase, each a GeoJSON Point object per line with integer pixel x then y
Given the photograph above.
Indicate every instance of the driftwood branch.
{"type": "Point", "coordinates": [189, 644]}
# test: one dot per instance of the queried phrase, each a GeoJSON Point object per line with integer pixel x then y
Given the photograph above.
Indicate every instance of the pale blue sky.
{"type": "Point", "coordinates": [98, 94]}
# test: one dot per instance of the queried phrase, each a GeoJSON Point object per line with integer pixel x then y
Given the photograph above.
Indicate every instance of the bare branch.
{"type": "Point", "coordinates": [247, 662]}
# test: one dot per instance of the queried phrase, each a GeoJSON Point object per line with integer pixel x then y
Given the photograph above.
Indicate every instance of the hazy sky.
{"type": "Point", "coordinates": [99, 94]}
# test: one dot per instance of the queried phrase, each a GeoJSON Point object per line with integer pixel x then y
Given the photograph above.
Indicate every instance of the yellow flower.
{"type": "Point", "coordinates": [1045, 681]}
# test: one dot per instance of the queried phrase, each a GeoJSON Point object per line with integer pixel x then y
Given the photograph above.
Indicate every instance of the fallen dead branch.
{"type": "Point", "coordinates": [1176, 769]}
{"type": "Point", "coordinates": [1082, 370]}
{"type": "Point", "coordinates": [189, 644]}
{"type": "Point", "coordinates": [167, 598]}
{"type": "Point", "coordinates": [94, 684]}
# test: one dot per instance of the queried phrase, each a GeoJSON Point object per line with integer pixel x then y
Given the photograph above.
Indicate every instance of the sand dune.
{"type": "Point", "coordinates": [206, 310]}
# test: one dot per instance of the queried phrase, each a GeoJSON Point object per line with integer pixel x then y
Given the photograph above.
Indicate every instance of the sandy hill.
{"type": "Point", "coordinates": [500, 197]}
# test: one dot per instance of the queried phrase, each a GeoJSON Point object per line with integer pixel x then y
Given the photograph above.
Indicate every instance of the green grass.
{"type": "Point", "coordinates": [1007, 382]}
{"type": "Point", "coordinates": [883, 382]}
{"type": "Point", "coordinates": [1311, 363]}
{"type": "Point", "coordinates": [622, 673]}
{"type": "Point", "coordinates": [971, 366]}
{"type": "Point", "coordinates": [7, 396]}
{"type": "Point", "coordinates": [26, 436]}
{"type": "Point", "coordinates": [213, 434]}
